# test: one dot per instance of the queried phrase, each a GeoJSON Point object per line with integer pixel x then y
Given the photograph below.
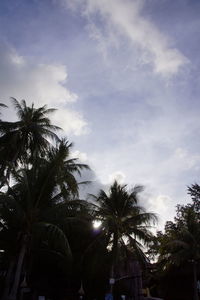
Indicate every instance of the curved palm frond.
{"type": "Point", "coordinates": [27, 138]}
{"type": "Point", "coordinates": [124, 222]}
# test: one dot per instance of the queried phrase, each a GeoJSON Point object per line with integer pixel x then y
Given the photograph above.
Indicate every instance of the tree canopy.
{"type": "Point", "coordinates": [47, 239]}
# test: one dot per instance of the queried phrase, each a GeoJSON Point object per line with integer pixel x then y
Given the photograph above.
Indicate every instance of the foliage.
{"type": "Point", "coordinates": [46, 231]}
{"type": "Point", "coordinates": [39, 181]}
{"type": "Point", "coordinates": [125, 225]}
{"type": "Point", "coordinates": [27, 138]}
{"type": "Point", "coordinates": [178, 248]}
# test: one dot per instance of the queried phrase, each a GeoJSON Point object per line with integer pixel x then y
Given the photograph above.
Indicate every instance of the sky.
{"type": "Point", "coordinates": [124, 76]}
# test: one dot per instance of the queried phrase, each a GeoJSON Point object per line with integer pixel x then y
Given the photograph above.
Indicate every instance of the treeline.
{"type": "Point", "coordinates": [178, 252]}
{"type": "Point", "coordinates": [48, 243]}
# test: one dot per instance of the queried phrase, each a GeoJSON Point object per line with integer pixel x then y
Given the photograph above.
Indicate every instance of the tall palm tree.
{"type": "Point", "coordinates": [36, 206]}
{"type": "Point", "coordinates": [124, 222]}
{"type": "Point", "coordinates": [28, 137]}
{"type": "Point", "coordinates": [23, 211]}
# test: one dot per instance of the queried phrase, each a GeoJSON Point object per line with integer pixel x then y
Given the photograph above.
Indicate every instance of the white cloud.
{"type": "Point", "coordinates": [124, 18]}
{"type": "Point", "coordinates": [186, 160]}
{"type": "Point", "coordinates": [80, 155]}
{"type": "Point", "coordinates": [41, 84]}
{"type": "Point", "coordinates": [162, 206]}
{"type": "Point", "coordinates": [164, 170]}
{"type": "Point", "coordinates": [71, 121]}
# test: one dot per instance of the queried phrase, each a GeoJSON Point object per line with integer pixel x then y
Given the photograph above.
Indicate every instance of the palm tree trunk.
{"type": "Point", "coordinates": [111, 277]}
{"type": "Point", "coordinates": [14, 290]}
{"type": "Point", "coordinates": [195, 297]}
{"type": "Point", "coordinates": [114, 258]}
{"type": "Point", "coordinates": [8, 279]}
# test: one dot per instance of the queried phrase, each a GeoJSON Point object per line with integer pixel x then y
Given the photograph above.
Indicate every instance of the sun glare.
{"type": "Point", "coordinates": [96, 224]}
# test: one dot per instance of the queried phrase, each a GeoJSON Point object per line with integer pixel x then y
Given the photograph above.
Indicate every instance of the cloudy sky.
{"type": "Point", "coordinates": [124, 75]}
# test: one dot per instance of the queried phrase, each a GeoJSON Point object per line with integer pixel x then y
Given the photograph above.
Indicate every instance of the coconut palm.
{"type": "Point", "coordinates": [68, 168]}
{"type": "Point", "coordinates": [28, 137]}
{"type": "Point", "coordinates": [22, 211]}
{"type": "Point", "coordinates": [124, 222]}
{"type": "Point", "coordinates": [36, 208]}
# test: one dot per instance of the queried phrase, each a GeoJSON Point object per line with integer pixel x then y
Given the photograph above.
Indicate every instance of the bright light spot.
{"type": "Point", "coordinates": [118, 176]}
{"type": "Point", "coordinates": [96, 224]}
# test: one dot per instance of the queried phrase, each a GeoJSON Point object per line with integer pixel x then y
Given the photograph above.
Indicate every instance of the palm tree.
{"type": "Point", "coordinates": [26, 138]}
{"type": "Point", "coordinates": [22, 211]}
{"type": "Point", "coordinates": [68, 168]}
{"type": "Point", "coordinates": [124, 222]}
{"type": "Point", "coordinates": [36, 207]}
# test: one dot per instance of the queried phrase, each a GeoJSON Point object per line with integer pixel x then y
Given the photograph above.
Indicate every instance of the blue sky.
{"type": "Point", "coordinates": [124, 75]}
